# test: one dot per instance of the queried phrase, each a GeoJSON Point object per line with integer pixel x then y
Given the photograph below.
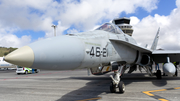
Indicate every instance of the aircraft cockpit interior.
{"type": "Point", "coordinates": [110, 27]}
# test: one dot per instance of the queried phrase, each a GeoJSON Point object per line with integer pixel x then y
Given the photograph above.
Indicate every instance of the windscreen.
{"type": "Point", "coordinates": [107, 27]}
{"type": "Point", "coordinates": [110, 28]}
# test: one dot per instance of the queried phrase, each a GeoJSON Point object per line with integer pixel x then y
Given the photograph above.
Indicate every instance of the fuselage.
{"type": "Point", "coordinates": [83, 50]}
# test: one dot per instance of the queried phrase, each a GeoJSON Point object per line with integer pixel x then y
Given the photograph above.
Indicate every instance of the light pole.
{"type": "Point", "coordinates": [54, 29]}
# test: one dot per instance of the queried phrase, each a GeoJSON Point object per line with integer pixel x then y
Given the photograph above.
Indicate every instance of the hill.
{"type": "Point", "coordinates": [4, 51]}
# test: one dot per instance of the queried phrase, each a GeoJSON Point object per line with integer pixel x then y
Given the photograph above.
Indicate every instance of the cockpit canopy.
{"type": "Point", "coordinates": [110, 27]}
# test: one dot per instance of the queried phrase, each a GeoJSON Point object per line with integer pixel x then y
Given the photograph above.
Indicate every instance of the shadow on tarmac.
{"type": "Point", "coordinates": [99, 85]}
{"type": "Point", "coordinates": [92, 89]}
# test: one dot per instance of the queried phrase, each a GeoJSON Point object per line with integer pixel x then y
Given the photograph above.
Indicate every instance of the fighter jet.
{"type": "Point", "coordinates": [103, 50]}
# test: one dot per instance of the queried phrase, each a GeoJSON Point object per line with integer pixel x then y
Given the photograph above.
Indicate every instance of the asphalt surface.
{"type": "Point", "coordinates": [77, 85]}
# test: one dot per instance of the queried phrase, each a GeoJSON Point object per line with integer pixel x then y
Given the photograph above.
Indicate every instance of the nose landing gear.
{"type": "Point", "coordinates": [116, 83]}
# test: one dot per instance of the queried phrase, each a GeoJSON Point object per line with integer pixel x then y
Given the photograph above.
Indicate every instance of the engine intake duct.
{"type": "Point", "coordinates": [145, 60]}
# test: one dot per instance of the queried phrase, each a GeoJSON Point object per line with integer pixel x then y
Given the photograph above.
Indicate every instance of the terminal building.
{"type": "Point", "coordinates": [124, 24]}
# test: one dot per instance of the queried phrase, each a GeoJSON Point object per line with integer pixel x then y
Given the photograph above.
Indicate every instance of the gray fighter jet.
{"type": "Point", "coordinates": [103, 50]}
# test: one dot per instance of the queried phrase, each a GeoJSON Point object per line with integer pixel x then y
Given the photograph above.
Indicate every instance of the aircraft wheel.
{"type": "Point", "coordinates": [121, 87]}
{"type": "Point", "coordinates": [176, 73]}
{"type": "Point", "coordinates": [158, 74]}
{"type": "Point", "coordinates": [112, 88]}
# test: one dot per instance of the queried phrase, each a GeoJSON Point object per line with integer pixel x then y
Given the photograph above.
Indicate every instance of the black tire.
{"type": "Point", "coordinates": [26, 72]}
{"type": "Point", "coordinates": [18, 73]}
{"type": "Point", "coordinates": [176, 73]}
{"type": "Point", "coordinates": [112, 88]}
{"type": "Point", "coordinates": [121, 86]}
{"type": "Point", "coordinates": [158, 74]}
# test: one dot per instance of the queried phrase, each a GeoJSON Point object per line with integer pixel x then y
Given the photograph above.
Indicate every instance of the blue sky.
{"type": "Point", "coordinates": [24, 22]}
{"type": "Point", "coordinates": [164, 7]}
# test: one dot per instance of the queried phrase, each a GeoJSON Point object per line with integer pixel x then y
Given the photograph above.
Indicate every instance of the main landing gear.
{"type": "Point", "coordinates": [116, 83]}
{"type": "Point", "coordinates": [158, 74]}
{"type": "Point", "coordinates": [176, 73]}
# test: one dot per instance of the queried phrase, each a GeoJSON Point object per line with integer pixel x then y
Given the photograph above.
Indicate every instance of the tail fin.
{"type": "Point", "coordinates": [154, 45]}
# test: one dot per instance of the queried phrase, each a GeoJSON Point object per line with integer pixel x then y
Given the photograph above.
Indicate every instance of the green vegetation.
{"type": "Point", "coordinates": [4, 51]}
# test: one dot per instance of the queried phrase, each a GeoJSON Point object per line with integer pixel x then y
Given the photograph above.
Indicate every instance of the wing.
{"type": "Point", "coordinates": [160, 56]}
{"type": "Point", "coordinates": [134, 46]}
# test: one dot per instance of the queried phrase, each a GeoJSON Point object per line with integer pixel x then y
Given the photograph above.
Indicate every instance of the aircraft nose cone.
{"type": "Point", "coordinates": [23, 56]}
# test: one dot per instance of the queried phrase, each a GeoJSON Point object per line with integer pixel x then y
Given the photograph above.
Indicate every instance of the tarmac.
{"type": "Point", "coordinates": [76, 85]}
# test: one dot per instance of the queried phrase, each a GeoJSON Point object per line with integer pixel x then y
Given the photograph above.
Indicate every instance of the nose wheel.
{"type": "Point", "coordinates": [112, 87]}
{"type": "Point", "coordinates": [116, 83]}
{"type": "Point", "coordinates": [121, 87]}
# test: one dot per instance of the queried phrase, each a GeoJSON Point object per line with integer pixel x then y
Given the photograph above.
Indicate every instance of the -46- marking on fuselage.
{"type": "Point", "coordinates": [97, 52]}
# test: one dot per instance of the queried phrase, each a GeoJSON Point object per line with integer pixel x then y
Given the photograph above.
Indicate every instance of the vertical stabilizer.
{"type": "Point", "coordinates": [154, 45]}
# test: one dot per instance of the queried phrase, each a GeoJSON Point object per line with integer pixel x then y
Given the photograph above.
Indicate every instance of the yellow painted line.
{"type": "Point", "coordinates": [163, 100]}
{"type": "Point", "coordinates": [158, 90]}
{"type": "Point", "coordinates": [177, 88]}
{"type": "Point", "coordinates": [90, 99]}
{"type": "Point", "coordinates": [149, 92]}
{"type": "Point", "coordinates": [107, 69]}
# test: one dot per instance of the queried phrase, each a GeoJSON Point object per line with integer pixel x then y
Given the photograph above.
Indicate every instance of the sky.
{"type": "Point", "coordinates": [27, 21]}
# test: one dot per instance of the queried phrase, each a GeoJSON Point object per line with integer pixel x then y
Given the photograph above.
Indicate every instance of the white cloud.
{"type": "Point", "coordinates": [134, 20]}
{"type": "Point", "coordinates": [84, 14]}
{"type": "Point", "coordinates": [72, 31]}
{"type": "Point", "coordinates": [89, 12]}
{"type": "Point", "coordinates": [11, 40]}
{"type": "Point", "coordinates": [146, 29]}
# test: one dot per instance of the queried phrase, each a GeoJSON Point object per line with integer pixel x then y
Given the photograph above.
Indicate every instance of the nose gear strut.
{"type": "Point", "coordinates": [116, 80]}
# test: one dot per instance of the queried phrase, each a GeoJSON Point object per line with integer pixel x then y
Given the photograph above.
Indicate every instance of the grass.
{"type": "Point", "coordinates": [4, 51]}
